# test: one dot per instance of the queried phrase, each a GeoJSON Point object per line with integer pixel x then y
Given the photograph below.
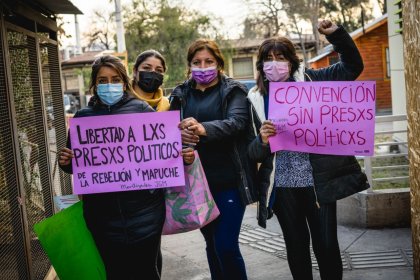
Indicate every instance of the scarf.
{"type": "Point", "coordinates": [159, 102]}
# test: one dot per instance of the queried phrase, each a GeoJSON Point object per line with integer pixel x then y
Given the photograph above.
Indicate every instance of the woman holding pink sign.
{"type": "Point", "coordinates": [126, 226]}
{"type": "Point", "coordinates": [303, 208]}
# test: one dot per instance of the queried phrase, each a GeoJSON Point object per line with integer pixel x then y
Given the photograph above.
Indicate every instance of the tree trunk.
{"type": "Point", "coordinates": [302, 43]}
{"type": "Point", "coordinates": [314, 21]}
{"type": "Point", "coordinates": [411, 36]}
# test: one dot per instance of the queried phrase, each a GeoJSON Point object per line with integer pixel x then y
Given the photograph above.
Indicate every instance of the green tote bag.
{"type": "Point", "coordinates": [70, 245]}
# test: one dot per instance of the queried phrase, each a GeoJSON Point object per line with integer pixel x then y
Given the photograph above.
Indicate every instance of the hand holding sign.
{"type": "Point", "coordinates": [64, 156]}
{"type": "Point", "coordinates": [193, 126]}
{"type": "Point", "coordinates": [188, 155]}
{"type": "Point", "coordinates": [189, 133]}
{"type": "Point", "coordinates": [267, 130]}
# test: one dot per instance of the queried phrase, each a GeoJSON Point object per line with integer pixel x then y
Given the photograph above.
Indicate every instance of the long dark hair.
{"type": "Point", "coordinates": [205, 44]}
{"type": "Point", "coordinates": [145, 55]}
{"type": "Point", "coordinates": [278, 44]}
{"type": "Point", "coordinates": [114, 63]}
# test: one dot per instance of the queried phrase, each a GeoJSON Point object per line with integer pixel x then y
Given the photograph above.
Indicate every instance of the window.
{"type": "Point", "coordinates": [71, 82]}
{"type": "Point", "coordinates": [387, 63]}
{"type": "Point", "coordinates": [333, 59]}
{"type": "Point", "coordinates": [243, 67]}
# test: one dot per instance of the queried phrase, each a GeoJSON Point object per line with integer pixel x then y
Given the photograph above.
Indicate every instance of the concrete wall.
{"type": "Point", "coordinates": [375, 209]}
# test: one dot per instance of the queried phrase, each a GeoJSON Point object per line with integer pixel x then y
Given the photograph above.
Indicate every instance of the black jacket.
{"type": "Point", "coordinates": [125, 217]}
{"type": "Point", "coordinates": [233, 127]}
{"type": "Point", "coordinates": [329, 171]}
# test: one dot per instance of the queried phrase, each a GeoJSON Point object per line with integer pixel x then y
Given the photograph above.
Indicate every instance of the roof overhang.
{"type": "Point", "coordinates": [57, 6]}
{"type": "Point", "coordinates": [49, 8]}
{"type": "Point", "coordinates": [40, 11]}
{"type": "Point", "coordinates": [369, 27]}
{"type": "Point", "coordinates": [354, 35]}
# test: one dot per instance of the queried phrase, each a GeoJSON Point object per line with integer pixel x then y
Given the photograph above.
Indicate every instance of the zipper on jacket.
{"type": "Point", "coordinates": [244, 181]}
{"type": "Point", "coordinates": [238, 158]}
{"type": "Point", "coordinates": [236, 153]}
{"type": "Point", "coordinates": [181, 108]}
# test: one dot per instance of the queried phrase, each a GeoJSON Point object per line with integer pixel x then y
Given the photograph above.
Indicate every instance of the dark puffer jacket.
{"type": "Point", "coordinates": [329, 171]}
{"type": "Point", "coordinates": [125, 217]}
{"type": "Point", "coordinates": [233, 127]}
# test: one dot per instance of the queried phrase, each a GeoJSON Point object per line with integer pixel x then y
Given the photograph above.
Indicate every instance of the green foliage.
{"type": "Point", "coordinates": [24, 81]}
{"type": "Point", "coordinates": [61, 32]}
{"type": "Point", "coordinates": [271, 16]}
{"type": "Point", "coordinates": [86, 73]}
{"type": "Point", "coordinates": [347, 12]}
{"type": "Point", "coordinates": [169, 30]}
{"type": "Point", "coordinates": [266, 21]}
{"type": "Point", "coordinates": [101, 32]}
{"type": "Point", "coordinates": [227, 51]}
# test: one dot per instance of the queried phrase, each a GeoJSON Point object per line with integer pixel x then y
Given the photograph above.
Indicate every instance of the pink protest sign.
{"type": "Point", "coordinates": [335, 118]}
{"type": "Point", "coordinates": [126, 152]}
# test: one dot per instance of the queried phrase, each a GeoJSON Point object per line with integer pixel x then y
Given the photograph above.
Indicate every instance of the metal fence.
{"type": "Point", "coordinates": [388, 165]}
{"type": "Point", "coordinates": [32, 129]}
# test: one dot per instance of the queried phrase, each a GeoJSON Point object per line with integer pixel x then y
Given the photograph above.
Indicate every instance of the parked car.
{"type": "Point", "coordinates": [70, 103]}
{"type": "Point", "coordinates": [248, 83]}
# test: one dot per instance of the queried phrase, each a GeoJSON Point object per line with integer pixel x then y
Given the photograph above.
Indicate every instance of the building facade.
{"type": "Point", "coordinates": [242, 55]}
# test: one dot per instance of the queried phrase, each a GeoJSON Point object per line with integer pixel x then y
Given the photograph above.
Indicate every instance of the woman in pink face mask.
{"type": "Point", "coordinates": [287, 185]}
{"type": "Point", "coordinates": [215, 118]}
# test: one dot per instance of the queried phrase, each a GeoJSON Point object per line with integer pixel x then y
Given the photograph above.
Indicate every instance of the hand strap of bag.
{"type": "Point", "coordinates": [181, 110]}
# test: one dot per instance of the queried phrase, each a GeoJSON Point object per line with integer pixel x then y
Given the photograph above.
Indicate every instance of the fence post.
{"type": "Point", "coordinates": [368, 171]}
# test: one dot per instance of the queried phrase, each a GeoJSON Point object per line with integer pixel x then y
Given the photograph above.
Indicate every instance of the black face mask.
{"type": "Point", "coordinates": [149, 81]}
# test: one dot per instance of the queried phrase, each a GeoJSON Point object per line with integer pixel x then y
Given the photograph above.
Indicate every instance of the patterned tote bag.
{"type": "Point", "coordinates": [191, 206]}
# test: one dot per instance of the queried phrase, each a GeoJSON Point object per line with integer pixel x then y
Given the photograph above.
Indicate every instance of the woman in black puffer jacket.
{"type": "Point", "coordinates": [126, 226]}
{"type": "Point", "coordinates": [303, 211]}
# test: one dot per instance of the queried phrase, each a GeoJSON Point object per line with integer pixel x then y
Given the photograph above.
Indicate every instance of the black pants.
{"type": "Point", "coordinates": [300, 218]}
{"type": "Point", "coordinates": [127, 230]}
{"type": "Point", "coordinates": [131, 261]}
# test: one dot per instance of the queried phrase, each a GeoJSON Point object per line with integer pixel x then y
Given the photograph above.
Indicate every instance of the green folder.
{"type": "Point", "coordinates": [70, 245]}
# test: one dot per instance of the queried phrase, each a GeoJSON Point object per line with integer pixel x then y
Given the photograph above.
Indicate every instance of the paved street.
{"type": "Point", "coordinates": [374, 254]}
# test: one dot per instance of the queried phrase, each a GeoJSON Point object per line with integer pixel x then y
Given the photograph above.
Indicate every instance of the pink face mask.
{"type": "Point", "coordinates": [276, 71]}
{"type": "Point", "coordinates": [204, 76]}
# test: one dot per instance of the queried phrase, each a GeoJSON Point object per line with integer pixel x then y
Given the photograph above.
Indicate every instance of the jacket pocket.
{"type": "Point", "coordinates": [337, 177]}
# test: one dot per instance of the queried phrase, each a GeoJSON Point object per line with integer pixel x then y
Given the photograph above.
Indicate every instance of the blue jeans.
{"type": "Point", "coordinates": [223, 253]}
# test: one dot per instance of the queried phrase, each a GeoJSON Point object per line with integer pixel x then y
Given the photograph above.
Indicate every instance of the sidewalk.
{"type": "Point", "coordinates": [373, 254]}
